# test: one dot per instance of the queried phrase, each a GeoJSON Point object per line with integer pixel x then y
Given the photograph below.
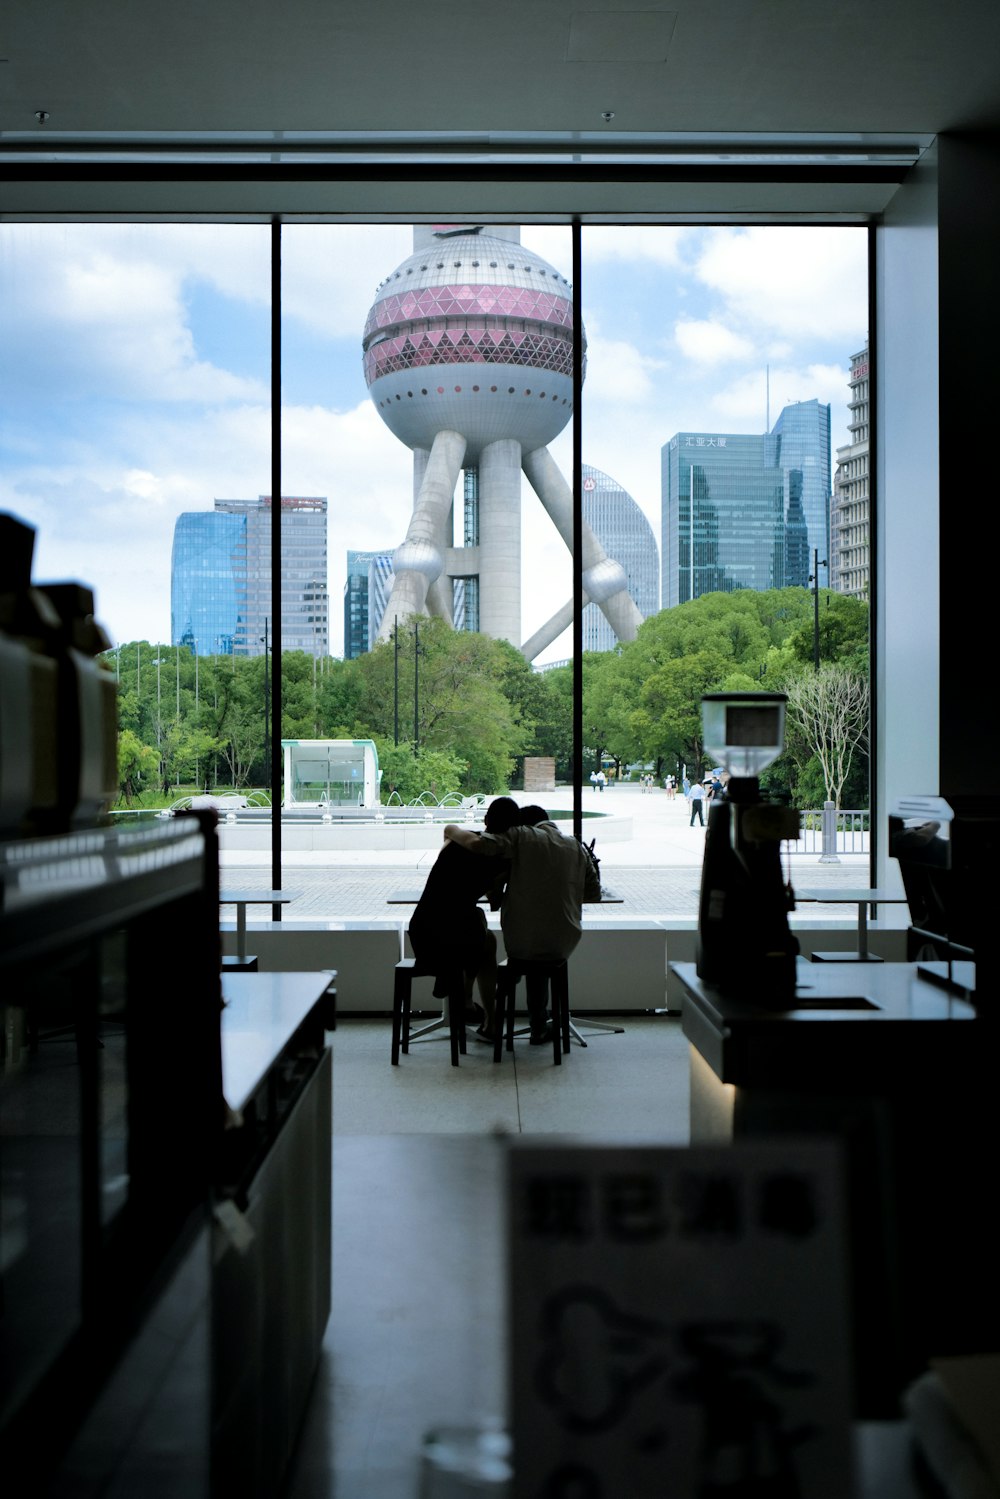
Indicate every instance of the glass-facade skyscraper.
{"type": "Point", "coordinates": [626, 535]}
{"type": "Point", "coordinates": [220, 578]}
{"type": "Point", "coordinates": [803, 433]}
{"type": "Point", "coordinates": [369, 579]}
{"type": "Point", "coordinates": [745, 510]}
{"type": "Point", "coordinates": [208, 582]}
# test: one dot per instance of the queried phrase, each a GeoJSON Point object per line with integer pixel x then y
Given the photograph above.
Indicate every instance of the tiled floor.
{"type": "Point", "coordinates": [416, 1336]}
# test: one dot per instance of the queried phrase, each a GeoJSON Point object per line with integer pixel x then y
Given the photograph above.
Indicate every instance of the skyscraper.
{"type": "Point", "coordinates": [220, 582]}
{"type": "Point", "coordinates": [803, 433]}
{"type": "Point", "coordinates": [208, 582]}
{"type": "Point", "coordinates": [850, 530]}
{"type": "Point", "coordinates": [362, 611]}
{"type": "Point", "coordinates": [745, 510]}
{"type": "Point", "coordinates": [380, 577]}
{"type": "Point", "coordinates": [626, 535]}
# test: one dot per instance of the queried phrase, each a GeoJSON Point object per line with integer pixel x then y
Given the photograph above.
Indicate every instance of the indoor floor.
{"type": "Point", "coordinates": [417, 1333]}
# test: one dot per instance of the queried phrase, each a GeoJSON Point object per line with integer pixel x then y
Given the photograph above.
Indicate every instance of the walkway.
{"type": "Point", "coordinates": [657, 872]}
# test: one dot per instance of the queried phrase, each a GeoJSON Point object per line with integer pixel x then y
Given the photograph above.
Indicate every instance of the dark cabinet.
{"type": "Point", "coordinates": [164, 1173]}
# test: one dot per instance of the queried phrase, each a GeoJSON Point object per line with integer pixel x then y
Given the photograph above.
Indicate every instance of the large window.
{"type": "Point", "coordinates": [723, 441]}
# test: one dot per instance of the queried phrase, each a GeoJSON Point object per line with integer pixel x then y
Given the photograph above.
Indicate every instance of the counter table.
{"type": "Point", "coordinates": [899, 1071]}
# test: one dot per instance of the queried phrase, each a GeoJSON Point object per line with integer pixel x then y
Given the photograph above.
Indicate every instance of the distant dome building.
{"type": "Point", "coordinates": [468, 355]}
{"type": "Point", "coordinates": [628, 538]}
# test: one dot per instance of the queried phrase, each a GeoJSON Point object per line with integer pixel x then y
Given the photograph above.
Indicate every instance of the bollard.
{"type": "Point", "coordinates": [829, 854]}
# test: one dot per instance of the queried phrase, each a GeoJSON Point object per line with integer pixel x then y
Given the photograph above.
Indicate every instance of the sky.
{"type": "Point", "coordinates": [134, 381]}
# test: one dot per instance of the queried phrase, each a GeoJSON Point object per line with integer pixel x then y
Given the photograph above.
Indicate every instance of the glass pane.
{"type": "Point", "coordinates": [136, 411]}
{"type": "Point", "coordinates": [425, 370]}
{"type": "Point", "coordinates": [725, 442]}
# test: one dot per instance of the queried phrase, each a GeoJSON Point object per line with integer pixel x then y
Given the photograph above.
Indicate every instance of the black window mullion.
{"type": "Point", "coordinates": [577, 760]}
{"type": "Point", "coordinates": [874, 540]}
{"type": "Point", "coordinates": [275, 769]}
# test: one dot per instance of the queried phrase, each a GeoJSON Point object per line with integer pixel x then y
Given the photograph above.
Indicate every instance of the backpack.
{"type": "Point", "coordinates": [592, 858]}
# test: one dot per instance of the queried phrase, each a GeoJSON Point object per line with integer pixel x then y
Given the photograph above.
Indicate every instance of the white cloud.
{"type": "Point", "coordinates": [660, 246]}
{"type": "Point", "coordinates": [711, 343]}
{"type": "Point", "coordinates": [105, 312]}
{"type": "Point", "coordinates": [122, 312]}
{"type": "Point", "coordinates": [331, 272]}
{"type": "Point", "coordinates": [799, 281]}
{"type": "Point", "coordinates": [618, 372]}
{"type": "Point", "coordinates": [109, 522]}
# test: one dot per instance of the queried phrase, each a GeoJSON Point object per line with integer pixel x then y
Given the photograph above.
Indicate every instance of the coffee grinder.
{"type": "Point", "coordinates": [745, 946]}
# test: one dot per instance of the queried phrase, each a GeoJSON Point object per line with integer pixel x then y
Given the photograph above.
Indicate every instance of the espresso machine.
{"type": "Point", "coordinates": [745, 946]}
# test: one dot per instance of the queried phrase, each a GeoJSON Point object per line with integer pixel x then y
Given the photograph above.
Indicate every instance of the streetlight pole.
{"type": "Point", "coordinates": [416, 688]}
{"type": "Point", "coordinates": [197, 714]}
{"type": "Point", "coordinates": [159, 743]}
{"type": "Point", "coordinates": [267, 713]}
{"type": "Point", "coordinates": [395, 681]}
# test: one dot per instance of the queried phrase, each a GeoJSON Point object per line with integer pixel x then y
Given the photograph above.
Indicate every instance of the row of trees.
{"type": "Point", "coordinates": [459, 711]}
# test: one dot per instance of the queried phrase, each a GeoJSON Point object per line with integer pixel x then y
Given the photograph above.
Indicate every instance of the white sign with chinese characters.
{"type": "Point", "coordinates": [679, 1323]}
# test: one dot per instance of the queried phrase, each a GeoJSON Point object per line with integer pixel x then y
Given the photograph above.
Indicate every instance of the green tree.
{"type": "Point", "coordinates": [607, 709]}
{"type": "Point", "coordinates": [455, 693]}
{"type": "Point", "coordinates": [843, 632]}
{"type": "Point", "coordinates": [138, 763]}
{"type": "Point", "coordinates": [188, 752]}
{"type": "Point", "coordinates": [299, 696]}
{"type": "Point", "coordinates": [667, 722]}
{"type": "Point", "coordinates": [409, 776]}
{"type": "Point", "coordinates": [830, 709]}
{"type": "Point", "coordinates": [553, 728]}
{"type": "Point", "coordinates": [340, 694]}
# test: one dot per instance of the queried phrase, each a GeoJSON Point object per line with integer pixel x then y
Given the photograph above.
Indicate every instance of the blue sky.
{"type": "Point", "coordinates": [134, 366]}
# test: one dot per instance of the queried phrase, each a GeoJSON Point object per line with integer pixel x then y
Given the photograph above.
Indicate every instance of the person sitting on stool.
{"type": "Point", "coordinates": [449, 926]}
{"type": "Point", "coordinates": [550, 878]}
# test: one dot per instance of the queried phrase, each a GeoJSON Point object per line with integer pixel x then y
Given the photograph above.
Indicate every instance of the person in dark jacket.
{"type": "Point", "coordinates": [449, 924]}
{"type": "Point", "coordinates": [550, 877]}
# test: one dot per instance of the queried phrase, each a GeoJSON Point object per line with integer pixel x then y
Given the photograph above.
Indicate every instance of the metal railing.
{"type": "Point", "coordinates": [845, 832]}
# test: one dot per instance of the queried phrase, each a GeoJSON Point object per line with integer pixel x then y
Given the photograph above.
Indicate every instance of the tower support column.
{"type": "Point", "coordinates": [604, 580]}
{"type": "Point", "coordinates": [418, 563]}
{"type": "Point", "coordinates": [500, 540]}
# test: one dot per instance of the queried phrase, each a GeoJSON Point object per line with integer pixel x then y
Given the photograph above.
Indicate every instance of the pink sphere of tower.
{"type": "Point", "coordinates": [468, 355]}
{"type": "Point", "coordinates": [472, 334]}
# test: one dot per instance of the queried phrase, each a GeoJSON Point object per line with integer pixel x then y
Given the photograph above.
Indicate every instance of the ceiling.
{"type": "Point", "coordinates": [733, 66]}
{"type": "Point", "coordinates": [709, 80]}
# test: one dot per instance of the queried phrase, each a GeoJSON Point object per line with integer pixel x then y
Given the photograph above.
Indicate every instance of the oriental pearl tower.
{"type": "Point", "coordinates": [468, 355]}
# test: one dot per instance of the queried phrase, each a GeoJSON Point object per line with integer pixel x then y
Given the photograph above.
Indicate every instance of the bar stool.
{"type": "Point", "coordinates": [408, 969]}
{"type": "Point", "coordinates": [556, 976]}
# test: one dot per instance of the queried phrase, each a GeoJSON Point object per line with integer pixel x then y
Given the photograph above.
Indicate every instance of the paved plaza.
{"type": "Point", "coordinates": [656, 871]}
